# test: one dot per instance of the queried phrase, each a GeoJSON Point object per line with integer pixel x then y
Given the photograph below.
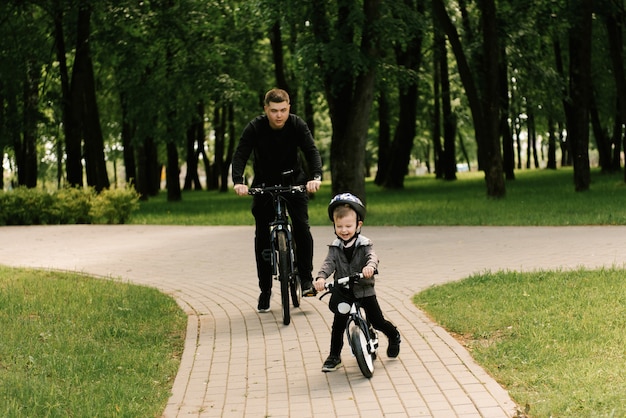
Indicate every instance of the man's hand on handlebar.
{"type": "Point", "coordinates": [313, 186]}
{"type": "Point", "coordinates": [241, 189]}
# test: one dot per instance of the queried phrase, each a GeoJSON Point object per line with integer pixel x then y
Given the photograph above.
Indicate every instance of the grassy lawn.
{"type": "Point", "coordinates": [82, 347]}
{"type": "Point", "coordinates": [77, 346]}
{"type": "Point", "coordinates": [554, 340]}
{"type": "Point", "coordinates": [536, 197]}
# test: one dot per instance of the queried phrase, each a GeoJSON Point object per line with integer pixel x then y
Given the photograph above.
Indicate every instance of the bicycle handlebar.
{"type": "Point", "coordinates": [345, 280]}
{"type": "Point", "coordinates": [276, 189]}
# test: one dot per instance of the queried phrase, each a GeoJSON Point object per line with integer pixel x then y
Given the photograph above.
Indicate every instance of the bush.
{"type": "Point", "coordinates": [114, 206]}
{"type": "Point", "coordinates": [73, 205]}
{"type": "Point", "coordinates": [23, 206]}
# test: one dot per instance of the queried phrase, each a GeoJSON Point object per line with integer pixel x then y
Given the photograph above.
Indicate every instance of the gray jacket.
{"type": "Point", "coordinates": [336, 262]}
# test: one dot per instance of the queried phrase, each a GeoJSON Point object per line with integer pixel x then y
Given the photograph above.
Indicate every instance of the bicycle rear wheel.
{"type": "Point", "coordinates": [296, 290]}
{"type": "Point", "coordinates": [284, 270]}
{"type": "Point", "coordinates": [358, 343]}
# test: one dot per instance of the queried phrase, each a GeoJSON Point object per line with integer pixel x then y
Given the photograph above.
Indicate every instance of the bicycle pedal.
{"type": "Point", "coordinates": [267, 255]}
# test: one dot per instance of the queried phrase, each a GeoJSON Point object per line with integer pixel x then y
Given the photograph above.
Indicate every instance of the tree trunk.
{"type": "Point", "coordinates": [349, 94]}
{"type": "Point", "coordinates": [485, 113]}
{"type": "Point", "coordinates": [194, 142]}
{"type": "Point", "coordinates": [614, 30]}
{"type": "Point", "coordinates": [148, 168]}
{"type": "Point", "coordinates": [27, 157]}
{"type": "Point", "coordinates": [230, 121]}
{"type": "Point", "coordinates": [439, 49]}
{"type": "Point", "coordinates": [603, 142]}
{"type": "Point", "coordinates": [580, 88]}
{"type": "Point", "coordinates": [128, 148]}
{"type": "Point", "coordinates": [384, 137]}
{"type": "Point", "coordinates": [552, 137]}
{"type": "Point", "coordinates": [449, 119]}
{"type": "Point", "coordinates": [508, 148]}
{"type": "Point", "coordinates": [173, 173]}
{"type": "Point", "coordinates": [71, 124]}
{"type": "Point", "coordinates": [410, 58]}
{"type": "Point", "coordinates": [494, 174]}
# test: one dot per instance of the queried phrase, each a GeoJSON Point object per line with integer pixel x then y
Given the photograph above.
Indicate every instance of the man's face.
{"type": "Point", "coordinates": [277, 113]}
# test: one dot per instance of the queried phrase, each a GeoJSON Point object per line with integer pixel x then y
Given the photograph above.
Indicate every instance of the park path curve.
{"type": "Point", "coordinates": [238, 363]}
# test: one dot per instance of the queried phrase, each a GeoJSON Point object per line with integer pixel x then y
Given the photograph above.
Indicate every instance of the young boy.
{"type": "Point", "coordinates": [351, 253]}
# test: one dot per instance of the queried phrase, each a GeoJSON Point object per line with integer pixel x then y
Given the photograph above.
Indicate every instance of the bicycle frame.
{"type": "Point", "coordinates": [361, 336]}
{"type": "Point", "coordinates": [281, 253]}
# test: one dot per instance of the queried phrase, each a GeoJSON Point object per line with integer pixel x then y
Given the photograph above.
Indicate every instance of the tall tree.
{"type": "Point", "coordinates": [485, 106]}
{"type": "Point", "coordinates": [408, 55]}
{"type": "Point", "coordinates": [580, 90]}
{"type": "Point", "coordinates": [348, 57]}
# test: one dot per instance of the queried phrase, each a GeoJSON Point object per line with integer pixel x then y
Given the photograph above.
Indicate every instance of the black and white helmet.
{"type": "Point", "coordinates": [347, 199]}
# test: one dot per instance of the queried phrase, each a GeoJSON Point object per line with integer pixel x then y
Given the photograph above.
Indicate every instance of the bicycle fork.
{"type": "Point", "coordinates": [271, 254]}
{"type": "Point", "coordinates": [370, 333]}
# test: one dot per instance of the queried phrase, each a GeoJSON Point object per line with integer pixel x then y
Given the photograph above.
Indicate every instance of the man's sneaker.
{"type": "Point", "coordinates": [331, 364]}
{"type": "Point", "coordinates": [264, 302]}
{"type": "Point", "coordinates": [307, 289]}
{"type": "Point", "coordinates": [394, 346]}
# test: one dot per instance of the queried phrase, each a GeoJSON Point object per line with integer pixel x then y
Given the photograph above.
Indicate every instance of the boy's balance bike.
{"type": "Point", "coordinates": [282, 252]}
{"type": "Point", "coordinates": [361, 336]}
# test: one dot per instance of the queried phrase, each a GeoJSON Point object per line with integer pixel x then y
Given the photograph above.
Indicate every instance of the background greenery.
{"type": "Point", "coordinates": [70, 205]}
{"type": "Point", "coordinates": [536, 197]}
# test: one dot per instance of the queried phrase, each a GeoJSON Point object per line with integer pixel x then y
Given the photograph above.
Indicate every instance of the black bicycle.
{"type": "Point", "coordinates": [361, 335]}
{"type": "Point", "coordinates": [282, 253]}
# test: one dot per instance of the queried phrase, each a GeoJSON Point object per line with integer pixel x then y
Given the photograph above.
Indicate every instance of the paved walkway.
{"type": "Point", "coordinates": [238, 363]}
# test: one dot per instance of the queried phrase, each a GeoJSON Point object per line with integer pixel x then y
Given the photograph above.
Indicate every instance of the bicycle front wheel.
{"type": "Point", "coordinates": [358, 343]}
{"type": "Point", "coordinates": [284, 270]}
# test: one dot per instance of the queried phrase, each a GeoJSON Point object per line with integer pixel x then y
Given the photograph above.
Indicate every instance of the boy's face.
{"type": "Point", "coordinates": [277, 113]}
{"type": "Point", "coordinates": [346, 226]}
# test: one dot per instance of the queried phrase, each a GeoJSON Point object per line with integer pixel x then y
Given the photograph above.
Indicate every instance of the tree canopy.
{"type": "Point", "coordinates": [111, 92]}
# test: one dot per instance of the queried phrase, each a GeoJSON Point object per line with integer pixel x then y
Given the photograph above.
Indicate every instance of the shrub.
{"type": "Point", "coordinates": [23, 206]}
{"type": "Point", "coordinates": [114, 206]}
{"type": "Point", "coordinates": [74, 204]}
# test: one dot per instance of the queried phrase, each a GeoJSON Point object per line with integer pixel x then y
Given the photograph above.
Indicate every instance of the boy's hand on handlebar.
{"type": "Point", "coordinates": [368, 272]}
{"type": "Point", "coordinates": [313, 186]}
{"type": "Point", "coordinates": [241, 189]}
{"type": "Point", "coordinates": [320, 284]}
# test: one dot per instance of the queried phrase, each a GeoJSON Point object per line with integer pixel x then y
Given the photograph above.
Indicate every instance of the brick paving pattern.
{"type": "Point", "coordinates": [239, 363]}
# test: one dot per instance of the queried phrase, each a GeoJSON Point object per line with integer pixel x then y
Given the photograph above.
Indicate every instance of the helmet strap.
{"type": "Point", "coordinates": [351, 241]}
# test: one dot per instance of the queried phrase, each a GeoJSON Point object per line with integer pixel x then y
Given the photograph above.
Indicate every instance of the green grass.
{"type": "Point", "coordinates": [555, 340]}
{"type": "Point", "coordinates": [77, 346]}
{"type": "Point", "coordinates": [536, 197]}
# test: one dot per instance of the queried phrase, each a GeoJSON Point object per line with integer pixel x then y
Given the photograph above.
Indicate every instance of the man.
{"type": "Point", "coordinates": [276, 139]}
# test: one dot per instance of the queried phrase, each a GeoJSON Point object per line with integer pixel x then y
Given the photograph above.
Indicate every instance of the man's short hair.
{"type": "Point", "coordinates": [276, 96]}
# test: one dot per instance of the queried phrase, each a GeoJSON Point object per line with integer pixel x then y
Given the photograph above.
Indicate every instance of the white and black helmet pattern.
{"type": "Point", "coordinates": [347, 199]}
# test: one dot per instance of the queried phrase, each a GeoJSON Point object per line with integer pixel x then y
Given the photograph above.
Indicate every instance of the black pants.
{"type": "Point", "coordinates": [298, 209]}
{"type": "Point", "coordinates": [375, 316]}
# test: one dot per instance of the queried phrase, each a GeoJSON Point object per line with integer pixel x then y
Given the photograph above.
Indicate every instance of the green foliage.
{"type": "Point", "coordinates": [83, 347]}
{"type": "Point", "coordinates": [536, 197]}
{"type": "Point", "coordinates": [553, 339]}
{"type": "Point", "coordinates": [73, 205]}
{"type": "Point", "coordinates": [114, 206]}
{"type": "Point", "coordinates": [23, 206]}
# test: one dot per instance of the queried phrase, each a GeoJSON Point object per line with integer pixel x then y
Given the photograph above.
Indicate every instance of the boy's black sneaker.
{"type": "Point", "coordinates": [331, 364]}
{"type": "Point", "coordinates": [264, 302]}
{"type": "Point", "coordinates": [394, 346]}
{"type": "Point", "coordinates": [307, 289]}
